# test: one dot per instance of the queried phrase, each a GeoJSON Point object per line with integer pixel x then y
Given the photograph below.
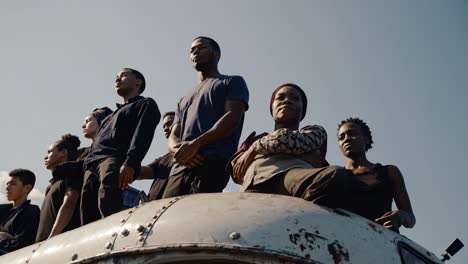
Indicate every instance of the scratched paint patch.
{"type": "Point", "coordinates": [305, 240]}
{"type": "Point", "coordinates": [338, 252]}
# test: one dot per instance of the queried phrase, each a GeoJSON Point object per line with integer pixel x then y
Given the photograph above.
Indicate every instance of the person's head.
{"type": "Point", "coordinates": [93, 121]}
{"type": "Point", "coordinates": [20, 185]}
{"type": "Point", "coordinates": [168, 119]}
{"type": "Point", "coordinates": [288, 105]}
{"type": "Point", "coordinates": [129, 82]}
{"type": "Point", "coordinates": [65, 149]}
{"type": "Point", "coordinates": [204, 54]}
{"type": "Point", "coordinates": [354, 137]}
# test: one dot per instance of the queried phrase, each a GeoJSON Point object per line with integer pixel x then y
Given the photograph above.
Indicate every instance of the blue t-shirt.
{"type": "Point", "coordinates": [202, 107]}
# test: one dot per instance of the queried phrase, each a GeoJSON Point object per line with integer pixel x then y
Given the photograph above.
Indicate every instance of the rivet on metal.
{"type": "Point", "coordinates": [74, 256]}
{"type": "Point", "coordinates": [114, 234]}
{"type": "Point", "coordinates": [125, 232]}
{"type": "Point", "coordinates": [234, 235]}
{"type": "Point", "coordinates": [141, 238]}
{"type": "Point", "coordinates": [155, 217]}
{"type": "Point", "coordinates": [141, 229]}
{"type": "Point", "coordinates": [108, 245]}
{"type": "Point", "coordinates": [164, 207]}
{"type": "Point", "coordinates": [130, 211]}
{"type": "Point", "coordinates": [123, 221]}
{"type": "Point", "coordinates": [149, 225]}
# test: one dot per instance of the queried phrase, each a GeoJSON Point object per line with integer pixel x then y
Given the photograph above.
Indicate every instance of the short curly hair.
{"type": "Point", "coordinates": [364, 127]}
{"type": "Point", "coordinates": [71, 143]}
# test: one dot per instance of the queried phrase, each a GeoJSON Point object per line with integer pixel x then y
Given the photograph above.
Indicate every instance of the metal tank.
{"type": "Point", "coordinates": [227, 228]}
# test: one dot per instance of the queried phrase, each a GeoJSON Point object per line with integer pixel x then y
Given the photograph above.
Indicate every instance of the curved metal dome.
{"type": "Point", "coordinates": [242, 227]}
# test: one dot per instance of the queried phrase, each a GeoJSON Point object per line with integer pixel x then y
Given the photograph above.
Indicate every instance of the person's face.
{"type": "Point", "coordinates": [16, 189]}
{"type": "Point", "coordinates": [351, 140]}
{"type": "Point", "coordinates": [126, 83]}
{"type": "Point", "coordinates": [55, 157]}
{"type": "Point", "coordinates": [202, 54]}
{"type": "Point", "coordinates": [90, 127]}
{"type": "Point", "coordinates": [167, 123]}
{"type": "Point", "coordinates": [287, 105]}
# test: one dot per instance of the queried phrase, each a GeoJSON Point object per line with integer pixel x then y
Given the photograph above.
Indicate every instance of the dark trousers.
{"type": "Point", "coordinates": [157, 189]}
{"type": "Point", "coordinates": [100, 196]}
{"type": "Point", "coordinates": [208, 178]}
{"type": "Point", "coordinates": [329, 186]}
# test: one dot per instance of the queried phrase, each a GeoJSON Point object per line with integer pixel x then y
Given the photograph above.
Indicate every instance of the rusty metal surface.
{"type": "Point", "coordinates": [259, 226]}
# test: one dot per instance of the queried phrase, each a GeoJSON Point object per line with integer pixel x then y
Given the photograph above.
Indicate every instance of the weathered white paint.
{"type": "Point", "coordinates": [237, 226]}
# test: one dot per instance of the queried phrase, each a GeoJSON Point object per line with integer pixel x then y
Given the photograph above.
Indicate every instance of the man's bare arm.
{"type": "Point", "coordinates": [234, 110]}
{"type": "Point", "coordinates": [65, 212]}
{"type": "Point", "coordinates": [146, 173]}
{"type": "Point", "coordinates": [174, 140]}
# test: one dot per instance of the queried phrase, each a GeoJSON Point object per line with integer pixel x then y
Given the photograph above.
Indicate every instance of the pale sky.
{"type": "Point", "coordinates": [399, 65]}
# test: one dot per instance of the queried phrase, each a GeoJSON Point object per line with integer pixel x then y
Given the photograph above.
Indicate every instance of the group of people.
{"type": "Point", "coordinates": [203, 135]}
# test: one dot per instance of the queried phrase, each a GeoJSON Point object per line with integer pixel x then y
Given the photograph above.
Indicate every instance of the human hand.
{"type": "Point", "coordinates": [241, 163]}
{"type": "Point", "coordinates": [390, 220]}
{"type": "Point", "coordinates": [186, 150]}
{"type": "Point", "coordinates": [196, 161]}
{"type": "Point", "coordinates": [126, 176]}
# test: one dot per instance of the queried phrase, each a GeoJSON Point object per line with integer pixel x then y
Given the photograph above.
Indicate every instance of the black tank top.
{"type": "Point", "coordinates": [372, 194]}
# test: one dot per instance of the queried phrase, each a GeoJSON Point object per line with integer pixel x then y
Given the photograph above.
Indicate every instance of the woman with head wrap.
{"type": "Point", "coordinates": [91, 125]}
{"type": "Point", "coordinates": [290, 161]}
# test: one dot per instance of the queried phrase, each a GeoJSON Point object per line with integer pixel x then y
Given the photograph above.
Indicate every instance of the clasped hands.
{"type": "Point", "coordinates": [187, 154]}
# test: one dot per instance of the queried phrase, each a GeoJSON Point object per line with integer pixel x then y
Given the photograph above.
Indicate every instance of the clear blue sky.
{"type": "Point", "coordinates": [399, 65]}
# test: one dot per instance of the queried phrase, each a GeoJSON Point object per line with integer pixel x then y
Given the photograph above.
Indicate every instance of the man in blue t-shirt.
{"type": "Point", "coordinates": [207, 125]}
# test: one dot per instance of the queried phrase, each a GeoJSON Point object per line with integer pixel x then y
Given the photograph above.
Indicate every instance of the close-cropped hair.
{"type": "Point", "coordinates": [364, 128]}
{"type": "Point", "coordinates": [170, 113]}
{"type": "Point", "coordinates": [212, 42]}
{"type": "Point", "coordinates": [24, 175]}
{"type": "Point", "coordinates": [139, 76]}
{"type": "Point", "coordinates": [71, 143]}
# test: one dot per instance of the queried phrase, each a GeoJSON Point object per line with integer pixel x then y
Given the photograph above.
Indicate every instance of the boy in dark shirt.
{"type": "Point", "coordinates": [119, 147]}
{"type": "Point", "coordinates": [18, 221]}
{"type": "Point", "coordinates": [160, 168]}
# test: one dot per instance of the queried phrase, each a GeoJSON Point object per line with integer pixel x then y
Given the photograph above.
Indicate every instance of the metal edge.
{"type": "Point", "coordinates": [194, 247]}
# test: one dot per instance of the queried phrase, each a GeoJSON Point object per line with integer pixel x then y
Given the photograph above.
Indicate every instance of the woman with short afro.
{"type": "Point", "coordinates": [377, 185]}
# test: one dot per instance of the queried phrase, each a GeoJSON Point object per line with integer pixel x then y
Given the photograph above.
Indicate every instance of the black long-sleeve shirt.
{"type": "Point", "coordinates": [21, 223]}
{"type": "Point", "coordinates": [127, 133]}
